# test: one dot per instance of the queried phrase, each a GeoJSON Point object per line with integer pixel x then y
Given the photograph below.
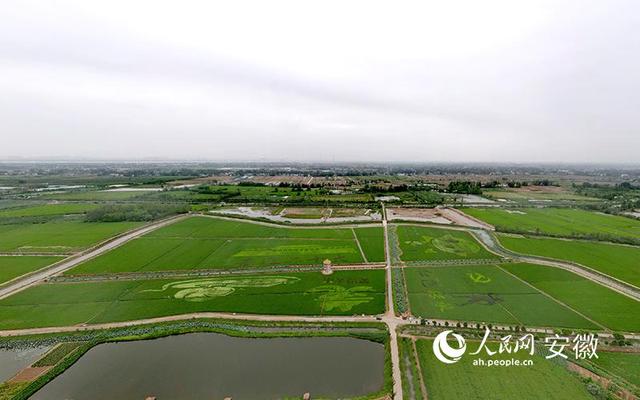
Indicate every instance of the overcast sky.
{"type": "Point", "coordinates": [321, 81]}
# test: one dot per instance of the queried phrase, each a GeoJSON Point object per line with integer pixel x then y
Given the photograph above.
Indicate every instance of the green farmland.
{"type": "Point", "coordinates": [58, 236]}
{"type": "Point", "coordinates": [210, 243]}
{"type": "Point", "coordinates": [619, 261]}
{"type": "Point", "coordinates": [310, 293]}
{"type": "Point", "coordinates": [559, 222]}
{"type": "Point", "coordinates": [609, 308]}
{"type": "Point", "coordinates": [372, 243]}
{"type": "Point", "coordinates": [419, 243]}
{"type": "Point", "coordinates": [624, 365]}
{"type": "Point", "coordinates": [462, 380]}
{"type": "Point", "coordinates": [484, 293]}
{"type": "Point", "coordinates": [47, 209]}
{"type": "Point", "coordinates": [14, 266]}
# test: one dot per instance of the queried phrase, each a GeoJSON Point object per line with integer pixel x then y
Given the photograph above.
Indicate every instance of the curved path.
{"type": "Point", "coordinates": [47, 272]}
{"type": "Point", "coordinates": [185, 317]}
{"type": "Point", "coordinates": [490, 242]}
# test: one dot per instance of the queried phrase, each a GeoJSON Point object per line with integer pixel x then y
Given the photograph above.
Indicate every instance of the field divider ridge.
{"type": "Point", "coordinates": [42, 274]}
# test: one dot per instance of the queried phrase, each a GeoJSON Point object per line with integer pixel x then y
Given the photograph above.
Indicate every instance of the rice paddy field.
{"type": "Point", "coordinates": [623, 365]}
{"type": "Point", "coordinates": [372, 243]}
{"type": "Point", "coordinates": [57, 236]}
{"type": "Point", "coordinates": [419, 243]}
{"type": "Point", "coordinates": [14, 266]}
{"type": "Point", "coordinates": [484, 293]}
{"type": "Point", "coordinates": [558, 221]}
{"type": "Point", "coordinates": [462, 380]}
{"type": "Point", "coordinates": [211, 243]}
{"type": "Point", "coordinates": [307, 293]}
{"type": "Point", "coordinates": [609, 308]}
{"type": "Point", "coordinates": [619, 261]}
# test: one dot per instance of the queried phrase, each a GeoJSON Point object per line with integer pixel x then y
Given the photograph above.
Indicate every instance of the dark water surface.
{"type": "Point", "coordinates": [12, 361]}
{"type": "Point", "coordinates": [213, 366]}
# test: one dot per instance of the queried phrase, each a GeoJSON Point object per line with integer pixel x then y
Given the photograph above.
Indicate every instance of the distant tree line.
{"type": "Point", "coordinates": [134, 212]}
{"type": "Point", "coordinates": [464, 187]}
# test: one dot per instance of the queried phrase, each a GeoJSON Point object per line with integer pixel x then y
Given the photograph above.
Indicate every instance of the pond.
{"type": "Point", "coordinates": [13, 361]}
{"type": "Point", "coordinates": [214, 366]}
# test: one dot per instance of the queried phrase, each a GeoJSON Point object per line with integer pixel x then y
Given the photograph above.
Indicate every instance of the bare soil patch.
{"type": "Point", "coordinates": [29, 374]}
{"type": "Point", "coordinates": [459, 218]}
{"type": "Point", "coordinates": [433, 215]}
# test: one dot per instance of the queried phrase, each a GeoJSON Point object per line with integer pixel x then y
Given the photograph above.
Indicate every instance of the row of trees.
{"type": "Point", "coordinates": [134, 212]}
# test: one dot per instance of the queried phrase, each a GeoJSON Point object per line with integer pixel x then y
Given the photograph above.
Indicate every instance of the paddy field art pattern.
{"type": "Point", "coordinates": [210, 243]}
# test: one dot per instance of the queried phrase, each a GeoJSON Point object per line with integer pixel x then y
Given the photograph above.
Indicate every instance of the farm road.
{"type": "Point", "coordinates": [47, 272]}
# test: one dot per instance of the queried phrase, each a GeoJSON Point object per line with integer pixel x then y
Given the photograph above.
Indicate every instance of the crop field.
{"type": "Point", "coordinates": [462, 380]}
{"type": "Point", "coordinates": [619, 261]}
{"type": "Point", "coordinates": [558, 221]}
{"type": "Point", "coordinates": [308, 293]}
{"type": "Point", "coordinates": [57, 237]}
{"type": "Point", "coordinates": [210, 243]}
{"type": "Point", "coordinates": [14, 266]}
{"type": "Point", "coordinates": [483, 293]}
{"type": "Point", "coordinates": [624, 365]}
{"type": "Point", "coordinates": [609, 308]}
{"type": "Point", "coordinates": [372, 243]}
{"type": "Point", "coordinates": [419, 243]}
{"type": "Point", "coordinates": [47, 209]}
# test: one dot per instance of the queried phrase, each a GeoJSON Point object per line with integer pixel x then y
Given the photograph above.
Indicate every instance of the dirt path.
{"type": "Point", "coordinates": [390, 318]}
{"type": "Point", "coordinates": [419, 367]}
{"type": "Point", "coordinates": [355, 237]}
{"type": "Point", "coordinates": [185, 317]}
{"type": "Point", "coordinates": [42, 274]}
{"type": "Point", "coordinates": [493, 245]}
{"type": "Point", "coordinates": [300, 226]}
{"type": "Point", "coordinates": [554, 299]}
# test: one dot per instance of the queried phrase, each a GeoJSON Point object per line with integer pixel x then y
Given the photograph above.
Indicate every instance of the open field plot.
{"type": "Point", "coordinates": [419, 243]}
{"type": "Point", "coordinates": [483, 293]}
{"type": "Point", "coordinates": [305, 212]}
{"type": "Point", "coordinates": [320, 212]}
{"type": "Point", "coordinates": [433, 215]}
{"type": "Point", "coordinates": [558, 221]}
{"type": "Point", "coordinates": [372, 243]}
{"type": "Point", "coordinates": [623, 365]}
{"type": "Point", "coordinates": [619, 261]}
{"type": "Point", "coordinates": [14, 266]}
{"type": "Point", "coordinates": [462, 380]}
{"type": "Point", "coordinates": [47, 209]}
{"type": "Point", "coordinates": [609, 308]}
{"type": "Point", "coordinates": [58, 236]}
{"type": "Point", "coordinates": [209, 243]}
{"type": "Point", "coordinates": [309, 293]}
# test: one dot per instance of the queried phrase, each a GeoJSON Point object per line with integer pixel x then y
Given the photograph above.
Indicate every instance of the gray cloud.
{"type": "Point", "coordinates": [419, 83]}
